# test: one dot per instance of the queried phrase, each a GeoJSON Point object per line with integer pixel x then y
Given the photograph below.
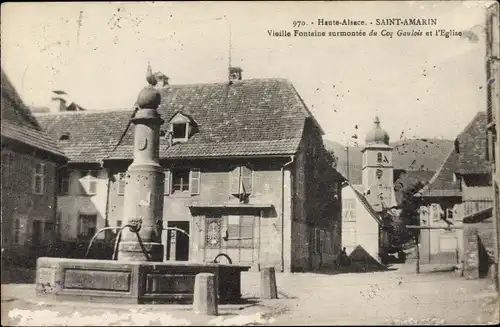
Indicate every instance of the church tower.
{"type": "Point", "coordinates": [377, 171]}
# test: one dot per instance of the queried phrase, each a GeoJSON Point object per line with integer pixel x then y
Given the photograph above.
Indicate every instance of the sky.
{"type": "Point", "coordinates": [98, 53]}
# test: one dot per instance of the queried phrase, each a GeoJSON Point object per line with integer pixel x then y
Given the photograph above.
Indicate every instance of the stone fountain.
{"type": "Point", "coordinates": [138, 275]}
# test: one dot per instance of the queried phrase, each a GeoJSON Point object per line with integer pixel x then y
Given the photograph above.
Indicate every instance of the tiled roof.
{"type": "Point", "coordinates": [251, 117]}
{"type": "Point", "coordinates": [19, 124]}
{"type": "Point", "coordinates": [222, 149]}
{"type": "Point", "coordinates": [472, 159]}
{"type": "Point", "coordinates": [409, 179]}
{"type": "Point", "coordinates": [469, 160]}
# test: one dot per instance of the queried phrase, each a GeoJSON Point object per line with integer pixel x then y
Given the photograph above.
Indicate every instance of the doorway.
{"type": "Point", "coordinates": [181, 241]}
{"type": "Point", "coordinates": [483, 258]}
{"type": "Point", "coordinates": [36, 237]}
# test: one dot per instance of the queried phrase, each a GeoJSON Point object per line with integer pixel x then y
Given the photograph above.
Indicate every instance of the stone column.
{"type": "Point", "coordinates": [143, 202]}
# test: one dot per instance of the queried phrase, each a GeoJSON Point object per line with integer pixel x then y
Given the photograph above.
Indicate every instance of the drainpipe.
{"type": "Point", "coordinates": [109, 174]}
{"type": "Point", "coordinates": [292, 158]}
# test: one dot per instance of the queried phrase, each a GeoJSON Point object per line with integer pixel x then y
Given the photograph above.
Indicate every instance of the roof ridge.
{"type": "Point", "coordinates": [81, 112]}
{"type": "Point", "coordinates": [452, 150]}
{"type": "Point", "coordinates": [269, 79]}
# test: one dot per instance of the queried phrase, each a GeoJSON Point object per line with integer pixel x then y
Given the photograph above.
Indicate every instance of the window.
{"type": "Point", "coordinates": [118, 223]}
{"type": "Point", "coordinates": [241, 180]}
{"type": "Point", "coordinates": [195, 181]}
{"type": "Point", "coordinates": [180, 131]}
{"type": "Point", "coordinates": [87, 226]}
{"type": "Point", "coordinates": [49, 230]}
{"type": "Point", "coordinates": [379, 157]}
{"type": "Point", "coordinates": [180, 180]}
{"type": "Point", "coordinates": [63, 182]}
{"type": "Point", "coordinates": [121, 183]}
{"type": "Point", "coordinates": [88, 182]}
{"type": "Point", "coordinates": [38, 178]}
{"type": "Point", "coordinates": [350, 215]}
{"type": "Point", "coordinates": [436, 214]}
{"type": "Point", "coordinates": [349, 209]}
{"type": "Point", "coordinates": [240, 231]}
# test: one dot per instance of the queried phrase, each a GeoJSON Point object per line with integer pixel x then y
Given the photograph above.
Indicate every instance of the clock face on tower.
{"type": "Point", "coordinates": [379, 173]}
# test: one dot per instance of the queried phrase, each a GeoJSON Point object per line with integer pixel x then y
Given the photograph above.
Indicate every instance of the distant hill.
{"type": "Point", "coordinates": [413, 155]}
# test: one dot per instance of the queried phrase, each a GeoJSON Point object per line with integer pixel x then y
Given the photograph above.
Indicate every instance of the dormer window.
{"type": "Point", "coordinates": [180, 127]}
{"type": "Point", "coordinates": [180, 131]}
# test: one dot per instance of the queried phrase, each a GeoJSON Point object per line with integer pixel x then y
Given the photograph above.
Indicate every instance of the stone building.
{"type": "Point", "coordinates": [246, 174]}
{"type": "Point", "coordinates": [30, 159]}
{"type": "Point", "coordinates": [479, 243]}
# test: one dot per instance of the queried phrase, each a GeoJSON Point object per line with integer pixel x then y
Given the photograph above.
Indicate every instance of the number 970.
{"type": "Point", "coordinates": [299, 23]}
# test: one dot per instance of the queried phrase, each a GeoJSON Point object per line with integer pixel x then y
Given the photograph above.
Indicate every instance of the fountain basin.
{"type": "Point", "coordinates": [132, 282]}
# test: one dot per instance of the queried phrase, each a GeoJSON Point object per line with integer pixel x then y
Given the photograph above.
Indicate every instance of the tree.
{"type": "Point", "coordinates": [406, 213]}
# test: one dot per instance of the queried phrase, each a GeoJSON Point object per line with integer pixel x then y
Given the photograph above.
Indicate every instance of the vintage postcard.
{"type": "Point", "coordinates": [250, 163]}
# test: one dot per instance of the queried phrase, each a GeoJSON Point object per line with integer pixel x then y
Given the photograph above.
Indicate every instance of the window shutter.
{"type": "Point", "coordinates": [246, 180]}
{"type": "Point", "coordinates": [195, 181]}
{"type": "Point", "coordinates": [121, 183]}
{"type": "Point", "coordinates": [166, 188]}
{"type": "Point", "coordinates": [92, 187]}
{"type": "Point", "coordinates": [234, 181]}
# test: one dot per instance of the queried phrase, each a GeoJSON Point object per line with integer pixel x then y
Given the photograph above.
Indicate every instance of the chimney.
{"type": "Point", "coordinates": [235, 74]}
{"type": "Point", "coordinates": [58, 101]}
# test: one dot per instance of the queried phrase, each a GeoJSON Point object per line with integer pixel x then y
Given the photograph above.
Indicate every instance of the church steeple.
{"type": "Point", "coordinates": [377, 134]}
{"type": "Point", "coordinates": [377, 171]}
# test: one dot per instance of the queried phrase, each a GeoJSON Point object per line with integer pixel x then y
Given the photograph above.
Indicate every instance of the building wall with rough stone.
{"type": "Point", "coordinates": [316, 237]}
{"type": "Point", "coordinates": [28, 215]}
{"type": "Point", "coordinates": [478, 237]}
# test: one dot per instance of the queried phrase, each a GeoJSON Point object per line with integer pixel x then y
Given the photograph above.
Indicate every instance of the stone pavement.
{"type": "Point", "coordinates": [393, 297]}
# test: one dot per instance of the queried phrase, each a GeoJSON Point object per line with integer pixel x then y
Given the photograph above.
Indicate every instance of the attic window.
{"type": "Point", "coordinates": [180, 131]}
{"type": "Point", "coordinates": [180, 127]}
{"type": "Point", "coordinates": [64, 137]}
